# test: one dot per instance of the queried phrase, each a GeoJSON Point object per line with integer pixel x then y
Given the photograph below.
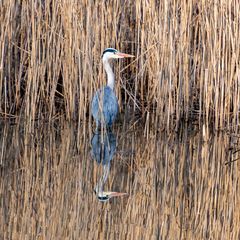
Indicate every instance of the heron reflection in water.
{"type": "Point", "coordinates": [103, 150]}
{"type": "Point", "coordinates": [105, 104]}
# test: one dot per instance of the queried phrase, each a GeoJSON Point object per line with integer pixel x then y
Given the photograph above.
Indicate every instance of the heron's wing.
{"type": "Point", "coordinates": [105, 102]}
{"type": "Point", "coordinates": [103, 151]}
{"type": "Point", "coordinates": [110, 105]}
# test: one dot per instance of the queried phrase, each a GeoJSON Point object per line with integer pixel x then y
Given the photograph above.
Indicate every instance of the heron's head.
{"type": "Point", "coordinates": [105, 196]}
{"type": "Point", "coordinates": [111, 53]}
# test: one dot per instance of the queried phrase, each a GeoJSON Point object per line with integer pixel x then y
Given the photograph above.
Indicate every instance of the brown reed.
{"type": "Point", "coordinates": [186, 66]}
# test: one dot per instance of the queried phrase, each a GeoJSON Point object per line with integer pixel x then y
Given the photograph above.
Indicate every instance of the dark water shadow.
{"type": "Point", "coordinates": [103, 149]}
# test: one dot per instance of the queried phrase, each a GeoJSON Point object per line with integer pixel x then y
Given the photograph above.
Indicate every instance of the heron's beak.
{"type": "Point", "coordinates": [115, 194]}
{"type": "Point", "coordinates": [123, 55]}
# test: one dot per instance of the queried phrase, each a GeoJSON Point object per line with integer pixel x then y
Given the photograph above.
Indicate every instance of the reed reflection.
{"type": "Point", "coordinates": [103, 150]}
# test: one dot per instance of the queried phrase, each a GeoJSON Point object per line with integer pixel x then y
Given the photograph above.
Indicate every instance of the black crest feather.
{"type": "Point", "coordinates": [112, 50]}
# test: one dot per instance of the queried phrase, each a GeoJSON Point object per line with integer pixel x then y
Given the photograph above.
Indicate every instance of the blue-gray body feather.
{"type": "Point", "coordinates": [104, 149]}
{"type": "Point", "coordinates": [104, 106]}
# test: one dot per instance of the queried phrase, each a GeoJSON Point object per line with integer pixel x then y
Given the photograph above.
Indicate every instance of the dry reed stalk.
{"type": "Point", "coordinates": [187, 59]}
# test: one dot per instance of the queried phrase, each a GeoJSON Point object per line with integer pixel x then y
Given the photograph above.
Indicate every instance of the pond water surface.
{"type": "Point", "coordinates": [177, 184]}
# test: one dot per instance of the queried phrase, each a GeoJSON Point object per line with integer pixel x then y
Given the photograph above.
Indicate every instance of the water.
{"type": "Point", "coordinates": [177, 183]}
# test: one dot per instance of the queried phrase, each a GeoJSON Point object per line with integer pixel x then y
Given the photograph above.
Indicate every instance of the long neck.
{"type": "Point", "coordinates": [103, 178]}
{"type": "Point", "coordinates": [110, 74]}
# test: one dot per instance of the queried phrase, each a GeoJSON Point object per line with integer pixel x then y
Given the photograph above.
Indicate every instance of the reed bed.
{"type": "Point", "coordinates": [185, 73]}
{"type": "Point", "coordinates": [186, 65]}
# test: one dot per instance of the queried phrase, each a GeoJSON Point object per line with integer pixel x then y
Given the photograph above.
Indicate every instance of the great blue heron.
{"type": "Point", "coordinates": [105, 103]}
{"type": "Point", "coordinates": [103, 150]}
